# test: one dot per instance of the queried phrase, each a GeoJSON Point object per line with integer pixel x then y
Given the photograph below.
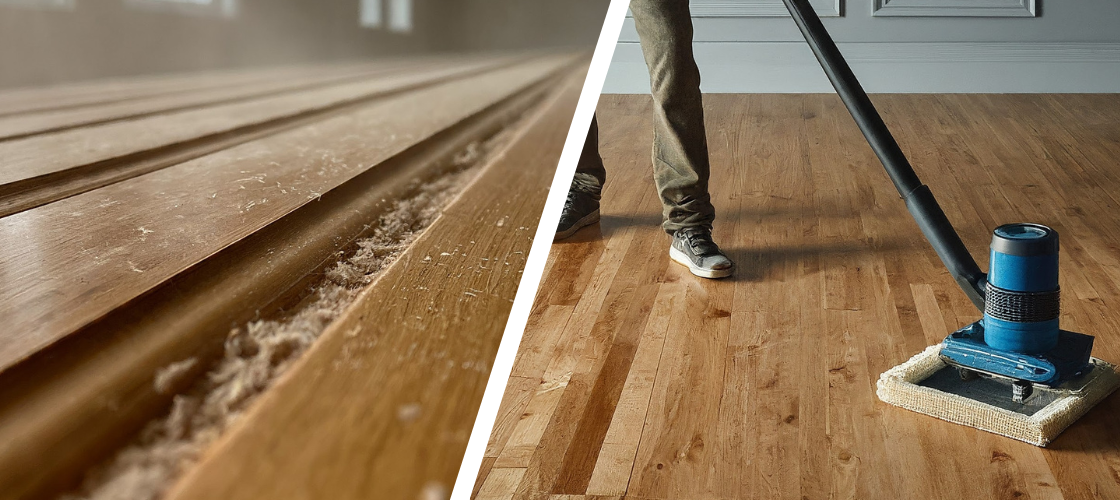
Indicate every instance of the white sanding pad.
{"type": "Point", "coordinates": [926, 384]}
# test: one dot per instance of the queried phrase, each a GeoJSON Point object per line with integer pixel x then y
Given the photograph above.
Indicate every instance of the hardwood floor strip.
{"type": "Point", "coordinates": [93, 390]}
{"type": "Point", "coordinates": [24, 158]}
{"type": "Point", "coordinates": [100, 158]}
{"type": "Point", "coordinates": [553, 373]}
{"type": "Point", "coordinates": [578, 349]}
{"type": "Point", "coordinates": [335, 430]}
{"type": "Point", "coordinates": [28, 124]}
{"type": "Point", "coordinates": [611, 474]}
{"type": "Point", "coordinates": [606, 386]}
{"type": "Point", "coordinates": [72, 261]}
{"type": "Point", "coordinates": [484, 471]}
{"type": "Point", "coordinates": [513, 410]}
{"type": "Point", "coordinates": [100, 92]}
{"type": "Point", "coordinates": [517, 450]}
{"type": "Point", "coordinates": [499, 483]}
{"type": "Point", "coordinates": [31, 193]}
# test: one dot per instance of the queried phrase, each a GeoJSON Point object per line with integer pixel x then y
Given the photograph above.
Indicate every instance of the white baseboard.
{"type": "Point", "coordinates": [957, 67]}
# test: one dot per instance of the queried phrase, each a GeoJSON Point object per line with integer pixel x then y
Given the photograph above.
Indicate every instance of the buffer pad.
{"type": "Point", "coordinates": [926, 384]}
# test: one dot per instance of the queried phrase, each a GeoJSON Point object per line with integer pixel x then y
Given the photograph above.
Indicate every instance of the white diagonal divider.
{"type": "Point", "coordinates": [535, 263]}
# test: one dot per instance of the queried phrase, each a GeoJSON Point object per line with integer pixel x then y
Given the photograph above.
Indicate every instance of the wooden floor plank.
{"type": "Point", "coordinates": [115, 90]}
{"type": "Point", "coordinates": [834, 285]}
{"type": "Point", "coordinates": [334, 431]}
{"type": "Point", "coordinates": [27, 124]}
{"type": "Point", "coordinates": [71, 262]}
{"type": "Point", "coordinates": [38, 190]}
{"type": "Point", "coordinates": [38, 156]}
{"type": "Point", "coordinates": [620, 444]}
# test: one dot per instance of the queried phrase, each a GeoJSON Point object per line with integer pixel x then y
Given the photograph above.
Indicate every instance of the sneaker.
{"type": "Point", "coordinates": [693, 247]}
{"type": "Point", "coordinates": [580, 210]}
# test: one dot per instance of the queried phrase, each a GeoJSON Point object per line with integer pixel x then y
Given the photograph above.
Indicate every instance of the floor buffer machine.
{"type": "Point", "coordinates": [1013, 372]}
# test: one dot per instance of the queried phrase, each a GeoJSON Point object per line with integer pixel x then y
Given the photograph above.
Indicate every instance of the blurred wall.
{"type": "Point", "coordinates": [109, 38]}
{"type": "Point", "coordinates": [41, 45]}
{"type": "Point", "coordinates": [512, 24]}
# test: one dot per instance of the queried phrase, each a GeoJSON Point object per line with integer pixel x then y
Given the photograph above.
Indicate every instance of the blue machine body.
{"type": "Point", "coordinates": [1019, 336]}
{"type": "Point", "coordinates": [966, 348]}
{"type": "Point", "coordinates": [1024, 267]}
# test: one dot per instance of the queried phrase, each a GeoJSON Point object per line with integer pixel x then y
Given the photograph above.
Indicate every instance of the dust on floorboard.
{"type": "Point", "coordinates": [256, 353]}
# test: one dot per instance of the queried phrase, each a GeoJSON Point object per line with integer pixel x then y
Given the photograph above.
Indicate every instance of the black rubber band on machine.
{"type": "Point", "coordinates": [1022, 307]}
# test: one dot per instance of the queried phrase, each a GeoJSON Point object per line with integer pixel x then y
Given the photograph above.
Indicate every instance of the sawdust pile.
{"type": "Point", "coordinates": [257, 353]}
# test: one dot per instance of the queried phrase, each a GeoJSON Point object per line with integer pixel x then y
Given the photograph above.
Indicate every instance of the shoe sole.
{"type": "Point", "coordinates": [680, 258]}
{"type": "Point", "coordinates": [587, 220]}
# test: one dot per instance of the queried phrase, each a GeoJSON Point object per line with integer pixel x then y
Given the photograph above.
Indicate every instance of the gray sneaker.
{"type": "Point", "coordinates": [580, 210]}
{"type": "Point", "coordinates": [693, 247]}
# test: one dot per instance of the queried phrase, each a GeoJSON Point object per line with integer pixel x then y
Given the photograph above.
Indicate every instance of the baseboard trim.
{"type": "Point", "coordinates": [958, 67]}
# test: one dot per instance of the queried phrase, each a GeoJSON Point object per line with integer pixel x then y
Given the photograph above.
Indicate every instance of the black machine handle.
{"type": "Point", "coordinates": [919, 199]}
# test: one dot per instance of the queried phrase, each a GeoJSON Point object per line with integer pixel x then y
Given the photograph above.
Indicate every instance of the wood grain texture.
{"type": "Point", "coordinates": [636, 379]}
{"type": "Point", "coordinates": [72, 261]}
{"type": "Point", "coordinates": [37, 156]}
{"type": "Point", "coordinates": [279, 116]}
{"type": "Point", "coordinates": [33, 123]}
{"type": "Point", "coordinates": [116, 90]}
{"type": "Point", "coordinates": [93, 389]}
{"type": "Point", "coordinates": [424, 334]}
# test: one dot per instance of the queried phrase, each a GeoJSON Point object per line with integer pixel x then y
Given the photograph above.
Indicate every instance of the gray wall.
{"type": "Point", "coordinates": [1070, 46]}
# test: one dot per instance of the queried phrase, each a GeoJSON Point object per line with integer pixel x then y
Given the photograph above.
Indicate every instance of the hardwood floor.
{"type": "Point", "coordinates": [249, 187]}
{"type": "Point", "coordinates": [184, 211]}
{"type": "Point", "coordinates": [87, 157]}
{"type": "Point", "coordinates": [423, 336]}
{"type": "Point", "coordinates": [636, 379]}
{"type": "Point", "coordinates": [27, 124]}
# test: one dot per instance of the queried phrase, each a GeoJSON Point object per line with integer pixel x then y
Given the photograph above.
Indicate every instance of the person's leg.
{"type": "Point", "coordinates": [680, 147]}
{"type": "Point", "coordinates": [590, 172]}
{"type": "Point", "coordinates": [581, 209]}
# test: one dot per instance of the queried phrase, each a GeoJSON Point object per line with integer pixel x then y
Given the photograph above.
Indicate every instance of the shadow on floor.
{"type": "Point", "coordinates": [768, 263]}
{"type": "Point", "coordinates": [609, 225]}
{"type": "Point", "coordinates": [755, 264]}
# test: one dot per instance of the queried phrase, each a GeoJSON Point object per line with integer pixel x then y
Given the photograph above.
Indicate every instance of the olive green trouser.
{"type": "Point", "coordinates": [680, 148]}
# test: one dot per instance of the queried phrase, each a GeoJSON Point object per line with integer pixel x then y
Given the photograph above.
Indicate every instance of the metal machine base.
{"type": "Point", "coordinates": [966, 350]}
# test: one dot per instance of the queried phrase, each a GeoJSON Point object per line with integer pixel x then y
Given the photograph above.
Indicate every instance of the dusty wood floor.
{"type": "Point", "coordinates": [142, 220]}
{"type": "Point", "coordinates": [424, 336]}
{"type": "Point", "coordinates": [637, 379]}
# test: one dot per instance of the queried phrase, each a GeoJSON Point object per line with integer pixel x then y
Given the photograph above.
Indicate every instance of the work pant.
{"type": "Point", "coordinates": [680, 147]}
